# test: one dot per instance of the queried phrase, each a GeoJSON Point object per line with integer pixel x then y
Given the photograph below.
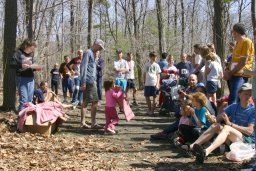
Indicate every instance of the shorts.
{"type": "Point", "coordinates": [122, 83]}
{"type": "Point", "coordinates": [67, 85]}
{"type": "Point", "coordinates": [211, 87]}
{"type": "Point", "coordinates": [150, 91]}
{"type": "Point", "coordinates": [90, 93]}
{"type": "Point", "coordinates": [131, 84]}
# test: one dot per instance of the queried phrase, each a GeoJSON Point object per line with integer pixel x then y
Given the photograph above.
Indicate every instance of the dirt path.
{"type": "Point", "coordinates": [73, 148]}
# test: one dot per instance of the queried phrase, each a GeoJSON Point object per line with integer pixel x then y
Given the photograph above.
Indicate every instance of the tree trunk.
{"type": "Point", "coordinates": [72, 27]}
{"type": "Point", "coordinates": [9, 86]}
{"type": "Point", "coordinates": [90, 11]}
{"type": "Point", "coordinates": [192, 26]}
{"type": "Point", "coordinates": [160, 26]}
{"type": "Point", "coordinates": [219, 32]}
{"type": "Point", "coordinates": [29, 17]}
{"type": "Point", "coordinates": [240, 9]}
{"type": "Point", "coordinates": [182, 25]}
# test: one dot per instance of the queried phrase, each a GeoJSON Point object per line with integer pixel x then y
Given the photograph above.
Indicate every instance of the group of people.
{"type": "Point", "coordinates": [202, 125]}
{"type": "Point", "coordinates": [198, 117]}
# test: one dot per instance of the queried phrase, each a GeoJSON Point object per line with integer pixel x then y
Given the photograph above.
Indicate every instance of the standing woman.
{"type": "Point", "coordinates": [23, 61]}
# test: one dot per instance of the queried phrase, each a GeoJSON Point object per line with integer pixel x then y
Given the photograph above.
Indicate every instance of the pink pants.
{"type": "Point", "coordinates": [111, 117]}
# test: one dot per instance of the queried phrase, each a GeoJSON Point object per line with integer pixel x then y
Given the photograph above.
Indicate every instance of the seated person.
{"type": "Point", "coordinates": [239, 121]}
{"type": "Point", "coordinates": [198, 118]}
{"type": "Point", "coordinates": [166, 133]}
{"type": "Point", "coordinates": [43, 94]}
{"type": "Point", "coordinates": [39, 93]}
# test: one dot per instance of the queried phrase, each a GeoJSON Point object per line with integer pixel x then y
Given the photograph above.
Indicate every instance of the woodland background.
{"type": "Point", "coordinates": [61, 27]}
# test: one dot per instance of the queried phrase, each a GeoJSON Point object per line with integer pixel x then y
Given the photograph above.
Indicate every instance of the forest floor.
{"type": "Point", "coordinates": [73, 148]}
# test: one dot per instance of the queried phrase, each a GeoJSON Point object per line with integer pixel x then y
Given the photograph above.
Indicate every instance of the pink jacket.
{"type": "Point", "coordinates": [45, 112]}
{"type": "Point", "coordinates": [111, 97]}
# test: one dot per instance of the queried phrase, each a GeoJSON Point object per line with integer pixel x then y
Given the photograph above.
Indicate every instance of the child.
{"type": "Point", "coordinates": [110, 108]}
{"type": "Point", "coordinates": [198, 118]}
{"type": "Point", "coordinates": [185, 113]}
{"type": "Point", "coordinates": [213, 73]}
{"type": "Point", "coordinates": [151, 79]}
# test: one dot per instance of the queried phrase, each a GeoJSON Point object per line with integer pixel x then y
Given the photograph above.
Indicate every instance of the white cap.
{"type": "Point", "coordinates": [99, 42]}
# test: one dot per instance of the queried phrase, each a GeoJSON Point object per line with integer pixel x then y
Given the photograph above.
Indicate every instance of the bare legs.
{"type": "Point", "coordinates": [225, 133]}
{"type": "Point", "coordinates": [93, 113]}
{"type": "Point", "coordinates": [151, 106]}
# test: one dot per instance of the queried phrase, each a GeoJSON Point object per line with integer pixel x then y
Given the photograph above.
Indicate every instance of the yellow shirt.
{"type": "Point", "coordinates": [243, 48]}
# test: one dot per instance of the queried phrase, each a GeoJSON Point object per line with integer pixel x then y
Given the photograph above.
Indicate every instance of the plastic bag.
{"type": "Point", "coordinates": [240, 151]}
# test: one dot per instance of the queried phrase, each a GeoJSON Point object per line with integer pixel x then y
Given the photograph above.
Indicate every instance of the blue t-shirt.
{"type": "Point", "coordinates": [200, 113]}
{"type": "Point", "coordinates": [39, 95]}
{"type": "Point", "coordinates": [55, 74]}
{"type": "Point", "coordinates": [241, 116]}
{"type": "Point", "coordinates": [162, 63]}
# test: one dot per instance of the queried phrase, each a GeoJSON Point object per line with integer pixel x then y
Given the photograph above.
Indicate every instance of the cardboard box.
{"type": "Point", "coordinates": [46, 128]}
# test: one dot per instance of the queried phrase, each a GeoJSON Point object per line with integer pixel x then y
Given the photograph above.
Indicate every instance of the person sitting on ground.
{"type": "Point", "coordinates": [167, 132]}
{"type": "Point", "coordinates": [184, 119]}
{"type": "Point", "coordinates": [199, 121]}
{"type": "Point", "coordinates": [192, 82]}
{"type": "Point", "coordinates": [39, 93]}
{"type": "Point", "coordinates": [239, 119]}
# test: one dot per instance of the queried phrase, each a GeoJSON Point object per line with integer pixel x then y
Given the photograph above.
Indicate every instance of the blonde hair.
{"type": "Point", "coordinates": [170, 57]}
{"type": "Point", "coordinates": [204, 51]}
{"type": "Point", "coordinates": [200, 98]}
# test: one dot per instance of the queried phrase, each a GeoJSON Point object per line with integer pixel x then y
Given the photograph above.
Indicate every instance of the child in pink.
{"type": "Point", "coordinates": [111, 95]}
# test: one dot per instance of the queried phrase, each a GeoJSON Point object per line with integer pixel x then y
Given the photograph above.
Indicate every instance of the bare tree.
{"type": "Point", "coordinates": [90, 23]}
{"type": "Point", "coordinates": [29, 18]}
{"type": "Point", "coordinates": [160, 26]}
{"type": "Point", "coordinates": [9, 96]}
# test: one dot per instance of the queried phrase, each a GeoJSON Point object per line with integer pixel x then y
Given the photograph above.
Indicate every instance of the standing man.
{"type": "Point", "coordinates": [185, 68]}
{"type": "Point", "coordinates": [74, 68]}
{"type": "Point", "coordinates": [67, 82]}
{"type": "Point", "coordinates": [121, 68]}
{"type": "Point", "coordinates": [131, 78]}
{"type": "Point", "coordinates": [100, 65]}
{"type": "Point", "coordinates": [242, 58]}
{"type": "Point", "coordinates": [88, 69]}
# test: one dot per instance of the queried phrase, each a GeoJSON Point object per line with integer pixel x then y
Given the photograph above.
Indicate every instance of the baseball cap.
{"type": "Point", "coordinates": [245, 86]}
{"type": "Point", "coordinates": [119, 50]}
{"type": "Point", "coordinates": [100, 43]}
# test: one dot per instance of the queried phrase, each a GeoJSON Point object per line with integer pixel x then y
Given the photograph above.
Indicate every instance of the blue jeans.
{"type": "Point", "coordinates": [99, 87]}
{"type": "Point", "coordinates": [67, 84]}
{"type": "Point", "coordinates": [25, 86]}
{"type": "Point", "coordinates": [77, 95]}
{"type": "Point", "coordinates": [234, 84]}
{"type": "Point", "coordinates": [172, 128]}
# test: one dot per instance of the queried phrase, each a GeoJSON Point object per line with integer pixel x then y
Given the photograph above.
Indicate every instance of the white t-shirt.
{"type": "Point", "coordinates": [216, 71]}
{"type": "Point", "coordinates": [130, 74]}
{"type": "Point", "coordinates": [198, 59]}
{"type": "Point", "coordinates": [118, 65]}
{"type": "Point", "coordinates": [151, 70]}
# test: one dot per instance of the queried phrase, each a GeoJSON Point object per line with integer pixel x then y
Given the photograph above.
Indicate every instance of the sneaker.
{"type": "Point", "coordinates": [75, 103]}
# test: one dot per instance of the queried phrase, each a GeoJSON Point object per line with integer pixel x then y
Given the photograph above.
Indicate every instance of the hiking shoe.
{"type": "Point", "coordinates": [199, 153]}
